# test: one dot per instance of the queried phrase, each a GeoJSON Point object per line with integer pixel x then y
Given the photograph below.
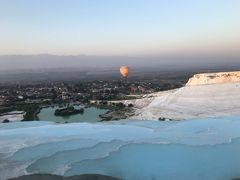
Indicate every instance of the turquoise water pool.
{"type": "Point", "coordinates": [90, 114]}
{"type": "Point", "coordinates": [194, 149]}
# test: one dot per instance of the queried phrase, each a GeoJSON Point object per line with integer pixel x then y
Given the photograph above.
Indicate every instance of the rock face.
{"type": "Point", "coordinates": [12, 116]}
{"type": "Point", "coordinates": [214, 78]}
{"type": "Point", "coordinates": [205, 95]}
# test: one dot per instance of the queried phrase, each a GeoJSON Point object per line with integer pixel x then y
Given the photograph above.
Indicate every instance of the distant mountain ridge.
{"type": "Point", "coordinates": [43, 61]}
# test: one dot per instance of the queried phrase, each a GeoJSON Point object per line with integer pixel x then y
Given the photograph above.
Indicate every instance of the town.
{"type": "Point", "coordinates": [29, 97]}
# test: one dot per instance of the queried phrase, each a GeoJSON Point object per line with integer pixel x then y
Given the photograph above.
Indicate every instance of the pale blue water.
{"type": "Point", "coordinates": [90, 115]}
{"type": "Point", "coordinates": [151, 161]}
{"type": "Point", "coordinates": [202, 149]}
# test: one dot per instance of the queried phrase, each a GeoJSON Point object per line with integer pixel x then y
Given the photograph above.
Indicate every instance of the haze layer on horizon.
{"type": "Point", "coordinates": [46, 62]}
{"type": "Point", "coordinates": [119, 28]}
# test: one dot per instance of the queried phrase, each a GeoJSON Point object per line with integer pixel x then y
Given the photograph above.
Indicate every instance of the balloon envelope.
{"type": "Point", "coordinates": [124, 70]}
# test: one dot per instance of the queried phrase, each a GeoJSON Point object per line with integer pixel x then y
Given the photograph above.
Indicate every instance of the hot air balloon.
{"type": "Point", "coordinates": [124, 70]}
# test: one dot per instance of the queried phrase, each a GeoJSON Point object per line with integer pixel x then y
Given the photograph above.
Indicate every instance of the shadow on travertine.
{"type": "Point", "coordinates": [56, 177]}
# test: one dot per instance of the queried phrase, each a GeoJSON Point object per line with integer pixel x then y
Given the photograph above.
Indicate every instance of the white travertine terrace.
{"type": "Point", "coordinates": [205, 95]}
{"type": "Point", "coordinates": [214, 78]}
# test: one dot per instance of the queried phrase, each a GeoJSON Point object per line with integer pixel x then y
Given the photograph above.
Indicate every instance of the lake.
{"type": "Point", "coordinates": [90, 114]}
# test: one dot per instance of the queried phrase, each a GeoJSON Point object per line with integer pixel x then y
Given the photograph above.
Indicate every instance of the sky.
{"type": "Point", "coordinates": [119, 27]}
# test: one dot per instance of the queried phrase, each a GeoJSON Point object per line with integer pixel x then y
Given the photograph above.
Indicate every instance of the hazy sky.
{"type": "Point", "coordinates": [119, 27]}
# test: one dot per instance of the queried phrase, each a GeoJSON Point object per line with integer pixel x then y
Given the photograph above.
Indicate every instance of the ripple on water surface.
{"type": "Point", "coordinates": [172, 161]}
{"type": "Point", "coordinates": [195, 149]}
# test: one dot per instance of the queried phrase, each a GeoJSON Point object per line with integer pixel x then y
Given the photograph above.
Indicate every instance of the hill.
{"type": "Point", "coordinates": [205, 95]}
